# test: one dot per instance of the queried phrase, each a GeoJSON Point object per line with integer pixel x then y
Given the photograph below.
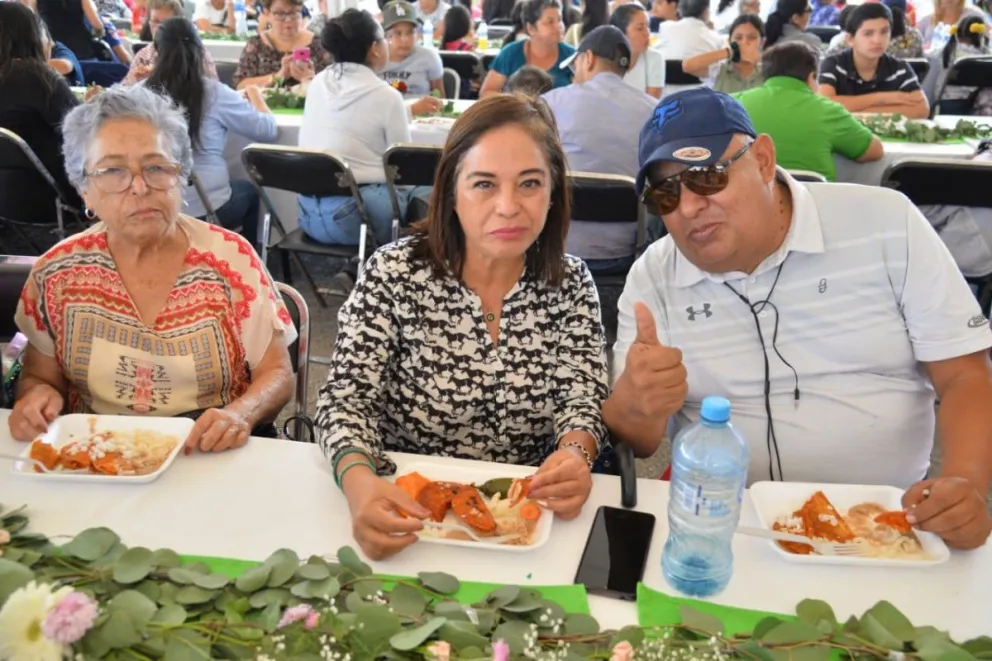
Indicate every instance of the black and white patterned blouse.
{"type": "Point", "coordinates": [415, 369]}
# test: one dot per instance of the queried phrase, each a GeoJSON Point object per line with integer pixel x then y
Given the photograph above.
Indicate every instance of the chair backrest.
{"type": "Point", "coordinates": [466, 64]}
{"type": "Point", "coordinates": [919, 66]}
{"type": "Point", "coordinates": [14, 272]}
{"type": "Point", "coordinates": [27, 188]}
{"type": "Point", "coordinates": [502, 21]}
{"type": "Point", "coordinates": [411, 165]}
{"type": "Point", "coordinates": [299, 351]}
{"type": "Point", "coordinates": [808, 176]}
{"type": "Point", "coordinates": [204, 199]}
{"type": "Point", "coordinates": [301, 171]}
{"type": "Point", "coordinates": [487, 61]}
{"type": "Point", "coordinates": [452, 83]}
{"type": "Point", "coordinates": [225, 72]}
{"type": "Point", "coordinates": [826, 33]}
{"type": "Point", "coordinates": [941, 181]}
{"type": "Point", "coordinates": [674, 75]}
{"type": "Point", "coordinates": [498, 33]}
{"type": "Point", "coordinates": [137, 46]}
{"type": "Point", "coordinates": [970, 72]}
{"type": "Point", "coordinates": [603, 198]}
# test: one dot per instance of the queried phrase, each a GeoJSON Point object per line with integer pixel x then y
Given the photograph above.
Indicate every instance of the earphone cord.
{"type": "Point", "coordinates": [771, 441]}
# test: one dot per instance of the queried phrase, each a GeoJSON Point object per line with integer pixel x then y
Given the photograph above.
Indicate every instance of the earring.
{"type": "Point", "coordinates": [89, 213]}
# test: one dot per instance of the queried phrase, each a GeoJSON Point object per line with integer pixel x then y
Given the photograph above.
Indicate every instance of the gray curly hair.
{"type": "Point", "coordinates": [80, 126]}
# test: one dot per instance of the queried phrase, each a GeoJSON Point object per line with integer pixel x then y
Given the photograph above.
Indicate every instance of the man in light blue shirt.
{"type": "Point", "coordinates": [599, 119]}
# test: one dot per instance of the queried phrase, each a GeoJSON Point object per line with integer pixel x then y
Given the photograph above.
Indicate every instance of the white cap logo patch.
{"type": "Point", "coordinates": [692, 154]}
{"type": "Point", "coordinates": [400, 11]}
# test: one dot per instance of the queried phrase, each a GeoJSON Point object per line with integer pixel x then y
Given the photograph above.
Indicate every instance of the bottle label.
{"type": "Point", "coordinates": [702, 502]}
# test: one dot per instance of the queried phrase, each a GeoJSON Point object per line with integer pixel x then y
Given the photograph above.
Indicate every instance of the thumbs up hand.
{"type": "Point", "coordinates": [653, 379]}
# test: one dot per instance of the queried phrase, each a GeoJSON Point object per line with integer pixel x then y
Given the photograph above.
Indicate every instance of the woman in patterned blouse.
{"type": "Point", "coordinates": [148, 312]}
{"type": "Point", "coordinates": [269, 54]}
{"type": "Point", "coordinates": [477, 337]}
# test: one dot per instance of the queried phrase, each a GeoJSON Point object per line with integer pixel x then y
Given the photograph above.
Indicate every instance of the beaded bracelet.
{"type": "Point", "coordinates": [339, 478]}
{"type": "Point", "coordinates": [581, 448]}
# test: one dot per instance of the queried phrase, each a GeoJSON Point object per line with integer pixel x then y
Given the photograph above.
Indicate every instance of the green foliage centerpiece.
{"type": "Point", "coordinates": [899, 128]}
{"type": "Point", "coordinates": [94, 598]}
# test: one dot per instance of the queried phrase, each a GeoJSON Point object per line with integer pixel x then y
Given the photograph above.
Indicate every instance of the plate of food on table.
{"type": "Point", "coordinates": [870, 517]}
{"type": "Point", "coordinates": [104, 448]}
{"type": "Point", "coordinates": [478, 507]}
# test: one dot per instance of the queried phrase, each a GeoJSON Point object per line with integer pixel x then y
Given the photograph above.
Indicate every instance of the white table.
{"type": "Point", "coordinates": [289, 136]}
{"type": "Point", "coordinates": [224, 51]}
{"type": "Point", "coordinates": [271, 494]}
{"type": "Point", "coordinates": [870, 174]}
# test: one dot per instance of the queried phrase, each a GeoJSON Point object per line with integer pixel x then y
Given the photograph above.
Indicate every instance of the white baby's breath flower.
{"type": "Point", "coordinates": [21, 622]}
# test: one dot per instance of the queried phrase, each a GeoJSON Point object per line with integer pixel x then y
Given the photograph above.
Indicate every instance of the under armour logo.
{"type": "Point", "coordinates": [665, 113]}
{"type": "Point", "coordinates": [693, 312]}
{"type": "Point", "coordinates": [823, 286]}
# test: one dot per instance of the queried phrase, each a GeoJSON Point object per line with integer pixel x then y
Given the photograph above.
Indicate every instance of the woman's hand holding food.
{"type": "Point", "coordinates": [426, 106]}
{"type": "Point", "coordinates": [563, 482]}
{"type": "Point", "coordinates": [379, 527]}
{"type": "Point", "coordinates": [218, 430]}
{"type": "Point", "coordinates": [34, 411]}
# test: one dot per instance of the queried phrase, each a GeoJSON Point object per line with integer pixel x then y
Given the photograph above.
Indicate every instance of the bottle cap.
{"type": "Point", "coordinates": [716, 409]}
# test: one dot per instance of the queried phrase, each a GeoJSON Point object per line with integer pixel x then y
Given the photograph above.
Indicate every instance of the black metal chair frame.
{"type": "Point", "coordinates": [675, 75]}
{"type": "Point", "coordinates": [467, 64]}
{"type": "Point", "coordinates": [299, 351]}
{"type": "Point", "coordinates": [396, 176]}
{"type": "Point", "coordinates": [826, 33]}
{"type": "Point", "coordinates": [339, 182]}
{"type": "Point", "coordinates": [452, 83]}
{"type": "Point", "coordinates": [588, 182]}
{"type": "Point", "coordinates": [61, 206]}
{"type": "Point", "coordinates": [204, 199]}
{"type": "Point", "coordinates": [959, 182]}
{"type": "Point", "coordinates": [808, 176]}
{"type": "Point", "coordinates": [966, 72]}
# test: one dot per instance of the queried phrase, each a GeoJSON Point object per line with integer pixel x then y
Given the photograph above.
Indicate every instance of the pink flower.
{"type": "Point", "coordinates": [501, 650]}
{"type": "Point", "coordinates": [439, 650]}
{"type": "Point", "coordinates": [295, 614]}
{"type": "Point", "coordinates": [71, 618]}
{"type": "Point", "coordinates": [4, 536]}
{"type": "Point", "coordinates": [623, 651]}
{"type": "Point", "coordinates": [313, 619]}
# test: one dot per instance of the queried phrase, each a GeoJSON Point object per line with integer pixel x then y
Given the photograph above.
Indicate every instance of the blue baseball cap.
{"type": "Point", "coordinates": [693, 127]}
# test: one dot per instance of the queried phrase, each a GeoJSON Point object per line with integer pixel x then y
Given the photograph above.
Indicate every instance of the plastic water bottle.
{"type": "Point", "coordinates": [482, 36]}
{"type": "Point", "coordinates": [709, 471]}
{"type": "Point", "coordinates": [240, 19]}
{"type": "Point", "coordinates": [427, 32]}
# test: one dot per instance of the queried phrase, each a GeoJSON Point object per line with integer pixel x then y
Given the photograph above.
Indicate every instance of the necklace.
{"type": "Point", "coordinates": [490, 317]}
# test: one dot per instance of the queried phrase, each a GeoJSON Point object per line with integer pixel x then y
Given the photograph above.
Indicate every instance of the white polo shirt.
{"type": "Point", "coordinates": [867, 292]}
{"type": "Point", "coordinates": [686, 37]}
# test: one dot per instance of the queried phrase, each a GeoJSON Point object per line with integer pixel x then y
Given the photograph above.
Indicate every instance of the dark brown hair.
{"type": "Point", "coordinates": [440, 239]}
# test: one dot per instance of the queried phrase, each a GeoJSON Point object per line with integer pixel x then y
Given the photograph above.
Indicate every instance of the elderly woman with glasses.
{"type": "Point", "coordinates": [286, 52]}
{"type": "Point", "coordinates": [149, 312]}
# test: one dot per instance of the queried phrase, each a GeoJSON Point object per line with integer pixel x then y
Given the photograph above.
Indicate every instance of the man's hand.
{"type": "Point", "coordinates": [654, 380]}
{"type": "Point", "coordinates": [954, 509]}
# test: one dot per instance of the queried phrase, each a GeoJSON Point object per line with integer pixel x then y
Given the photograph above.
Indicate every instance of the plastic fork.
{"type": "Point", "coordinates": [434, 525]}
{"type": "Point", "coordinates": [820, 546]}
{"type": "Point", "coordinates": [39, 465]}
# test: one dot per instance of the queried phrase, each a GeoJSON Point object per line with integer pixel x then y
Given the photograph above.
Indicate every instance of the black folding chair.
{"type": "Point", "coordinates": [14, 271]}
{"type": "Point", "coordinates": [225, 71]}
{"type": "Point", "coordinates": [304, 172]}
{"type": "Point", "coordinates": [946, 181]}
{"type": "Point", "coordinates": [487, 61]}
{"type": "Point", "coordinates": [138, 45]}
{"type": "Point", "coordinates": [466, 64]}
{"type": "Point", "coordinates": [607, 198]}
{"type": "Point", "coordinates": [201, 193]}
{"type": "Point", "coordinates": [497, 33]}
{"type": "Point", "coordinates": [299, 357]}
{"type": "Point", "coordinates": [967, 72]}
{"type": "Point", "coordinates": [674, 75]}
{"type": "Point", "coordinates": [452, 83]}
{"type": "Point", "coordinates": [826, 33]}
{"type": "Point", "coordinates": [920, 67]}
{"type": "Point", "coordinates": [507, 22]}
{"type": "Point", "coordinates": [808, 176]}
{"type": "Point", "coordinates": [29, 195]}
{"type": "Point", "coordinates": [408, 165]}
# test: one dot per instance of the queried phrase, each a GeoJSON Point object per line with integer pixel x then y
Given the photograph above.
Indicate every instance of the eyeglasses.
{"type": "Point", "coordinates": [118, 180]}
{"type": "Point", "coordinates": [286, 16]}
{"type": "Point", "coordinates": [664, 197]}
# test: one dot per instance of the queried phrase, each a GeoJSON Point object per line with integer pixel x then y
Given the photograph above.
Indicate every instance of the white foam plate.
{"type": "Point", "coordinates": [775, 499]}
{"type": "Point", "coordinates": [478, 475]}
{"type": "Point", "coordinates": [78, 426]}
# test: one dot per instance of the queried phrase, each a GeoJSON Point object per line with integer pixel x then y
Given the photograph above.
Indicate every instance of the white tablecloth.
{"type": "Point", "coordinates": [289, 134]}
{"type": "Point", "coordinates": [272, 494]}
{"type": "Point", "coordinates": [224, 51]}
{"type": "Point", "coordinates": [871, 173]}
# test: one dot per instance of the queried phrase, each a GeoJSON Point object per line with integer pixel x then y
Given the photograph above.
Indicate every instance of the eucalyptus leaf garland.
{"type": "Point", "coordinates": [152, 606]}
{"type": "Point", "coordinates": [898, 127]}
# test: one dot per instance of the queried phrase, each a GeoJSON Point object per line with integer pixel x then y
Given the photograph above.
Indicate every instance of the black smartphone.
{"type": "Point", "coordinates": [735, 51]}
{"type": "Point", "coordinates": [617, 549]}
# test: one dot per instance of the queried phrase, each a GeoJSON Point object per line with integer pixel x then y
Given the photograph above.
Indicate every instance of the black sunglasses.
{"type": "Point", "coordinates": [664, 197]}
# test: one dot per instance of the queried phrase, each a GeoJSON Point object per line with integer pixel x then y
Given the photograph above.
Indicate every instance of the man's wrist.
{"type": "Point", "coordinates": [979, 480]}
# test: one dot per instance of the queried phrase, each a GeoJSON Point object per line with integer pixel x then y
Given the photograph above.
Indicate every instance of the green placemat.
{"type": "Point", "coordinates": [946, 141]}
{"type": "Point", "coordinates": [655, 609]}
{"type": "Point", "coordinates": [572, 598]}
{"type": "Point", "coordinates": [287, 111]}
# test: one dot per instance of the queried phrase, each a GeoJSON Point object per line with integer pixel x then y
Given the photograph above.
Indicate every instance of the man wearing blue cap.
{"type": "Point", "coordinates": [829, 314]}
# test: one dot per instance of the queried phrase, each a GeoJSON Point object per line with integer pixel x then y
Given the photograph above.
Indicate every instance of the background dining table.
{"type": "Point", "coordinates": [270, 494]}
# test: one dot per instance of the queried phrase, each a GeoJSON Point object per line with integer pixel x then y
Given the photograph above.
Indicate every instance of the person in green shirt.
{"type": "Point", "coordinates": [807, 129]}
